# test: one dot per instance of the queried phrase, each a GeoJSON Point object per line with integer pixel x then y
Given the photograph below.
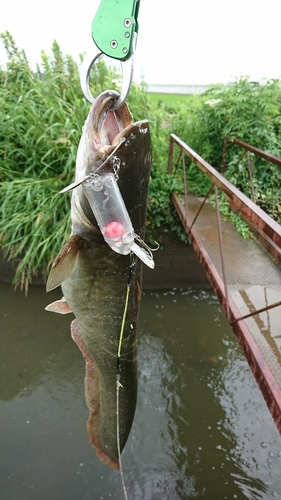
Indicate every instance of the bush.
{"type": "Point", "coordinates": [250, 111]}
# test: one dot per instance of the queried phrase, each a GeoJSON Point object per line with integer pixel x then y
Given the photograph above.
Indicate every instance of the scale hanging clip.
{"type": "Point", "coordinates": [114, 33]}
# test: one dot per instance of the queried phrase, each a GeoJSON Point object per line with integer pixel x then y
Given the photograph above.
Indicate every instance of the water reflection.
{"type": "Point", "coordinates": [202, 429]}
{"type": "Point", "coordinates": [257, 452]}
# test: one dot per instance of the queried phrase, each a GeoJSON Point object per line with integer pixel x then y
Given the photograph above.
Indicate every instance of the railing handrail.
{"type": "Point", "coordinates": [253, 149]}
{"type": "Point", "coordinates": [242, 203]}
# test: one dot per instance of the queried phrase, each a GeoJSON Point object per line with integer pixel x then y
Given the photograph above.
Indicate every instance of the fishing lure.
{"type": "Point", "coordinates": [109, 209]}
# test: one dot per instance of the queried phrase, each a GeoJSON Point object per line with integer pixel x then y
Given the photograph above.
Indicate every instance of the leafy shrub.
{"type": "Point", "coordinates": [250, 111]}
{"type": "Point", "coordinates": [244, 109]}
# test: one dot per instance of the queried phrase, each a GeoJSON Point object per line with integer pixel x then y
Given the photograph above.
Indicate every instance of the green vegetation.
{"type": "Point", "coordinates": [171, 101]}
{"type": "Point", "coordinates": [250, 111]}
{"type": "Point", "coordinates": [42, 112]}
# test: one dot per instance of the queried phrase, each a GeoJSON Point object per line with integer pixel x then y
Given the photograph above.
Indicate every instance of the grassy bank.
{"type": "Point", "coordinates": [170, 100]}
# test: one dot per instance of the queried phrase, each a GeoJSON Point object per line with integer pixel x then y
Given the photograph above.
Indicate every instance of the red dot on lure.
{"type": "Point", "coordinates": [114, 229]}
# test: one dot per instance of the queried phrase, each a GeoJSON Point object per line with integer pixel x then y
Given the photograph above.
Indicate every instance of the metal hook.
{"type": "Point", "coordinates": [127, 77]}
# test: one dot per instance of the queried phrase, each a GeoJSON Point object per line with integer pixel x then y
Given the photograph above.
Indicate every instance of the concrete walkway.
{"type": "Point", "coordinates": [253, 282]}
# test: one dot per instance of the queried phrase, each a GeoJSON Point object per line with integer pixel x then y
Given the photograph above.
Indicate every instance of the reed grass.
{"type": "Point", "coordinates": [42, 113]}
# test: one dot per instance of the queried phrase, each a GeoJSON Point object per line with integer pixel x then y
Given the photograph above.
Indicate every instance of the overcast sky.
{"type": "Point", "coordinates": [179, 42]}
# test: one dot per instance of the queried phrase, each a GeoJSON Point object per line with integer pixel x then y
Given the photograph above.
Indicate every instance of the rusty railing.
{"type": "Point", "coordinates": [249, 151]}
{"type": "Point", "coordinates": [268, 231]}
{"type": "Point", "coordinates": [252, 149]}
{"type": "Point", "coordinates": [271, 233]}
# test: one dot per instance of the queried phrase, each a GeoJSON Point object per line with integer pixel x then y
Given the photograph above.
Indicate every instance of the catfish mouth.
{"type": "Point", "coordinates": [111, 129]}
{"type": "Point", "coordinates": [109, 126]}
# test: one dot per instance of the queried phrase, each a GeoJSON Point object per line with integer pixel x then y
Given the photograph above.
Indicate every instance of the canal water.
{"type": "Point", "coordinates": [201, 431]}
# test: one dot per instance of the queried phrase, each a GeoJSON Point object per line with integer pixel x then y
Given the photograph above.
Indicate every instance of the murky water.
{"type": "Point", "coordinates": [202, 429]}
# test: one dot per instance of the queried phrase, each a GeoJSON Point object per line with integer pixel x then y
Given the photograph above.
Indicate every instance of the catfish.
{"type": "Point", "coordinates": [94, 278]}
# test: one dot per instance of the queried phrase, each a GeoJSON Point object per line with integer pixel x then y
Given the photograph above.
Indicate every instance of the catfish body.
{"type": "Point", "coordinates": [94, 279]}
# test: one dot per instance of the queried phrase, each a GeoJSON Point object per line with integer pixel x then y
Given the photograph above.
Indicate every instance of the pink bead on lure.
{"type": "Point", "coordinates": [114, 229]}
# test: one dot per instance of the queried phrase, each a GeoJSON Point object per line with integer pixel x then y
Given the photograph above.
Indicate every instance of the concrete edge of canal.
{"type": "Point", "coordinates": [176, 266]}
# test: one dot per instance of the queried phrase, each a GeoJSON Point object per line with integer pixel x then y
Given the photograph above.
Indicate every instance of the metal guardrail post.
{"type": "Point", "coordinates": [170, 159]}
{"type": "Point", "coordinates": [185, 187]}
{"type": "Point", "coordinates": [250, 168]}
{"type": "Point", "coordinates": [222, 255]}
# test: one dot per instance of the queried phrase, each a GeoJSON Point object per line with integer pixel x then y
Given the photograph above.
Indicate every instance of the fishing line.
{"type": "Point", "coordinates": [124, 313]}
{"type": "Point", "coordinates": [118, 370]}
{"type": "Point", "coordinates": [118, 385]}
{"type": "Point", "coordinates": [92, 174]}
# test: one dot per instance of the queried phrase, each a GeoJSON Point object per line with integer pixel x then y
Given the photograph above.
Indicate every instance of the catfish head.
{"type": "Point", "coordinates": [108, 143]}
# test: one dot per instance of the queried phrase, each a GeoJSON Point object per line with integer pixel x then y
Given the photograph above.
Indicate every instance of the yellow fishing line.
{"type": "Point", "coordinates": [123, 321]}
{"type": "Point", "coordinates": [118, 384]}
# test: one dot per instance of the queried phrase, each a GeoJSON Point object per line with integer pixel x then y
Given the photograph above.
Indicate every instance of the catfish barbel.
{"type": "Point", "coordinates": [94, 278]}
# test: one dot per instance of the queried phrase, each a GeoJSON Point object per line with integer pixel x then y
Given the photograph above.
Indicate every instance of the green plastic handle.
{"type": "Point", "coordinates": [114, 26]}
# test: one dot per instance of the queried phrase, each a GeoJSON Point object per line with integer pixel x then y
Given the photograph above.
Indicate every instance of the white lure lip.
{"type": "Point", "coordinates": [143, 255]}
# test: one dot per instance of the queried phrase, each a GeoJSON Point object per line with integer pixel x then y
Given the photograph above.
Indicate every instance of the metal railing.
{"type": "Point", "coordinates": [271, 234]}
{"type": "Point", "coordinates": [252, 149]}
{"type": "Point", "coordinates": [259, 221]}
